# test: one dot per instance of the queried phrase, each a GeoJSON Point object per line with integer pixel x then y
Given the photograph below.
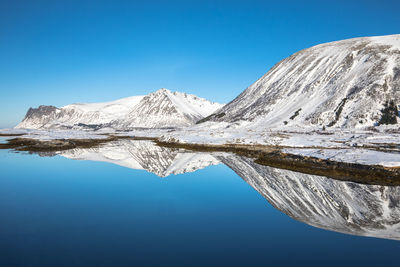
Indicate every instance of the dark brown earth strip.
{"type": "Point", "coordinates": [34, 145]}
{"type": "Point", "coordinates": [9, 135]}
{"type": "Point", "coordinates": [352, 172]}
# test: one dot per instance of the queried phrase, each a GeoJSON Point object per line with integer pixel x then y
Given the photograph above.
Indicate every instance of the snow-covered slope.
{"type": "Point", "coordinates": [340, 84]}
{"type": "Point", "coordinates": [346, 207]}
{"type": "Point", "coordinates": [144, 155]}
{"type": "Point", "coordinates": [75, 114]}
{"type": "Point", "coordinates": [99, 113]}
{"type": "Point", "coordinates": [162, 108]}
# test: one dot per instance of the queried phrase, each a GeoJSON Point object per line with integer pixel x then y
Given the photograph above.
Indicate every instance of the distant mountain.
{"type": "Point", "coordinates": [164, 108]}
{"type": "Point", "coordinates": [346, 84]}
{"type": "Point", "coordinates": [160, 109]}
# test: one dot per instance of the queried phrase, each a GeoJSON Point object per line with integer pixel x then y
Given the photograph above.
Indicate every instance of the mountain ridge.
{"type": "Point", "coordinates": [170, 109]}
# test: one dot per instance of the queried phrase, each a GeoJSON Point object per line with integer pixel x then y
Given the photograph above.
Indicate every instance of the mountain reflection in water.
{"type": "Point", "coordinates": [346, 207]}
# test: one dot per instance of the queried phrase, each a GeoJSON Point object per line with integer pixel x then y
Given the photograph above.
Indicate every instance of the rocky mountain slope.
{"type": "Point", "coordinates": [162, 108]}
{"type": "Point", "coordinates": [347, 84]}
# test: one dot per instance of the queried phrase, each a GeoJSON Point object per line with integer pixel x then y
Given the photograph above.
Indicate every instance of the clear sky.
{"type": "Point", "coordinates": [60, 52]}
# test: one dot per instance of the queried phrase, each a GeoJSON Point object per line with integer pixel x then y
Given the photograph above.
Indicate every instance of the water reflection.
{"type": "Point", "coordinates": [145, 155]}
{"type": "Point", "coordinates": [346, 207]}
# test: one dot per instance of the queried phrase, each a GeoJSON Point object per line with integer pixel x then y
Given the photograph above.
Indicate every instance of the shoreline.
{"type": "Point", "coordinates": [272, 156]}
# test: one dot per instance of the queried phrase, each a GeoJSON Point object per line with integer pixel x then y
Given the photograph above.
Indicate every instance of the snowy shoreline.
{"type": "Point", "coordinates": [363, 153]}
{"type": "Point", "coordinates": [362, 147]}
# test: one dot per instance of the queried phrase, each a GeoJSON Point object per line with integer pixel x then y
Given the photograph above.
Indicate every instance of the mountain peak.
{"type": "Point", "coordinates": [164, 109]}
{"type": "Point", "coordinates": [162, 90]}
{"type": "Point", "coordinates": [342, 84]}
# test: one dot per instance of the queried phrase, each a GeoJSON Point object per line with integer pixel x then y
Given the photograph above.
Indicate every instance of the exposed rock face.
{"type": "Point", "coordinates": [38, 117]}
{"type": "Point", "coordinates": [162, 108]}
{"type": "Point", "coordinates": [340, 84]}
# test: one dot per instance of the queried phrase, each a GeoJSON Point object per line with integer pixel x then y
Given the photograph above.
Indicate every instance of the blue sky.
{"type": "Point", "coordinates": [60, 52]}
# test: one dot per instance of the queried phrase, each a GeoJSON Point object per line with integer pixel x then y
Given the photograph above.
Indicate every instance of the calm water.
{"type": "Point", "coordinates": [112, 207]}
{"type": "Point", "coordinates": [3, 139]}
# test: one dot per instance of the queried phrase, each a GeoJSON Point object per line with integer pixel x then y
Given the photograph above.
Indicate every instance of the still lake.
{"type": "Point", "coordinates": [131, 203]}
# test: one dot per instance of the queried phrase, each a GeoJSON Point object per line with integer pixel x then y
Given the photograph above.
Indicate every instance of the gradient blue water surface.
{"type": "Point", "coordinates": [61, 212]}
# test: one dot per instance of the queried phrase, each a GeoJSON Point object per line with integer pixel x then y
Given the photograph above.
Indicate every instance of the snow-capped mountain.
{"type": "Point", "coordinates": [144, 155]}
{"type": "Point", "coordinates": [75, 114]}
{"type": "Point", "coordinates": [342, 84]}
{"type": "Point", "coordinates": [162, 108]}
{"type": "Point", "coordinates": [346, 207]}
